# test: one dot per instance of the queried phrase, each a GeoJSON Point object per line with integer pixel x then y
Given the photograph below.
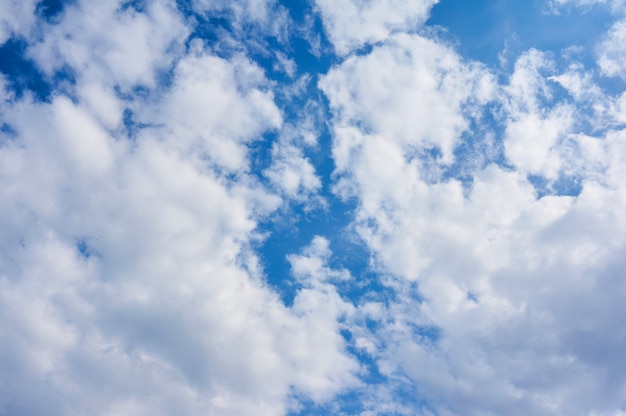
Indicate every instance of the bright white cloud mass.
{"type": "Point", "coordinates": [267, 207]}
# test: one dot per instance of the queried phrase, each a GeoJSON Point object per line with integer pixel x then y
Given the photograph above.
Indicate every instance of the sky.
{"type": "Point", "coordinates": [312, 207]}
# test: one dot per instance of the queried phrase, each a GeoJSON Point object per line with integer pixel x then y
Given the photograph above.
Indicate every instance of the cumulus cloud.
{"type": "Point", "coordinates": [534, 131]}
{"type": "Point", "coordinates": [106, 42]}
{"type": "Point", "coordinates": [311, 266]}
{"type": "Point", "coordinates": [351, 24]}
{"type": "Point", "coordinates": [16, 18]}
{"type": "Point", "coordinates": [404, 99]}
{"type": "Point", "coordinates": [128, 285]}
{"type": "Point", "coordinates": [291, 171]}
{"type": "Point", "coordinates": [206, 111]}
{"type": "Point", "coordinates": [612, 52]}
{"type": "Point", "coordinates": [499, 271]}
{"type": "Point", "coordinates": [247, 20]}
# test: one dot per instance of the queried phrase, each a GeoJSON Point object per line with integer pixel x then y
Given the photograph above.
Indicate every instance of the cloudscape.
{"type": "Point", "coordinates": [312, 207]}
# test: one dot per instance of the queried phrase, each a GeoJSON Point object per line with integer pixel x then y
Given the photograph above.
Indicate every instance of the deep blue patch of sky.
{"type": "Point", "coordinates": [83, 248]}
{"type": "Point", "coordinates": [349, 403]}
{"type": "Point", "coordinates": [50, 9]}
{"type": "Point", "coordinates": [487, 28]}
{"type": "Point", "coordinates": [21, 73]}
{"type": "Point", "coordinates": [293, 227]}
{"type": "Point", "coordinates": [132, 126]}
{"type": "Point", "coordinates": [496, 33]}
{"type": "Point", "coordinates": [7, 130]}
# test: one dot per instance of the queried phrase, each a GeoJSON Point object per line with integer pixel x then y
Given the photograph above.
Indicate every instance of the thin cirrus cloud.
{"type": "Point", "coordinates": [454, 231]}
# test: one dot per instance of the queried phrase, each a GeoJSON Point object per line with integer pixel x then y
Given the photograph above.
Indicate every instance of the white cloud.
{"type": "Point", "coordinates": [285, 64]}
{"type": "Point", "coordinates": [577, 2]}
{"type": "Point", "coordinates": [618, 108]}
{"type": "Point", "coordinates": [409, 91]}
{"type": "Point", "coordinates": [249, 20]}
{"type": "Point", "coordinates": [102, 42]}
{"type": "Point", "coordinates": [542, 133]}
{"type": "Point", "coordinates": [127, 282]}
{"type": "Point", "coordinates": [319, 303]}
{"type": "Point", "coordinates": [205, 111]}
{"type": "Point", "coordinates": [250, 10]}
{"type": "Point", "coordinates": [612, 51]}
{"type": "Point", "coordinates": [351, 24]}
{"type": "Point", "coordinates": [291, 171]}
{"type": "Point", "coordinates": [535, 129]}
{"type": "Point", "coordinates": [16, 18]}
{"type": "Point", "coordinates": [557, 5]}
{"type": "Point", "coordinates": [524, 293]}
{"type": "Point", "coordinates": [311, 268]}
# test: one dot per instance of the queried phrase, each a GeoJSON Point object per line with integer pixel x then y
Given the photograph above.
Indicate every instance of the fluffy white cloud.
{"type": "Point", "coordinates": [323, 310]}
{"type": "Point", "coordinates": [311, 268]}
{"type": "Point", "coordinates": [612, 51]}
{"type": "Point", "coordinates": [291, 171]}
{"type": "Point", "coordinates": [351, 24]}
{"type": "Point", "coordinates": [16, 18]}
{"type": "Point", "coordinates": [517, 299]}
{"type": "Point", "coordinates": [215, 107]}
{"type": "Point", "coordinates": [398, 103]}
{"type": "Point", "coordinates": [127, 282]}
{"type": "Point", "coordinates": [104, 42]}
{"type": "Point", "coordinates": [265, 17]}
{"type": "Point", "coordinates": [535, 130]}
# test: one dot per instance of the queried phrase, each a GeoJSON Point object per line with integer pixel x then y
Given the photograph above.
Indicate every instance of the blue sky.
{"type": "Point", "coordinates": [312, 207]}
